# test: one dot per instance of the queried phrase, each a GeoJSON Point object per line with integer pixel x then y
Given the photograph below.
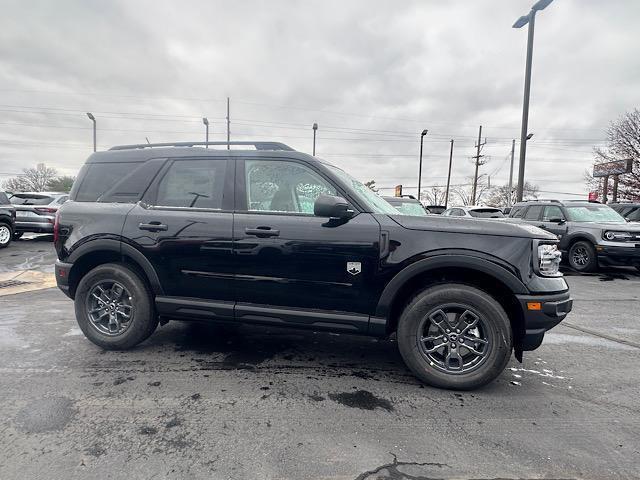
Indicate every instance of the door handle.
{"type": "Point", "coordinates": [262, 232]}
{"type": "Point", "coordinates": [153, 226]}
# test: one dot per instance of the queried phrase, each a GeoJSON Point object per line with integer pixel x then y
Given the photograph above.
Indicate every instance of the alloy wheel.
{"type": "Point", "coordinates": [454, 339]}
{"type": "Point", "coordinates": [109, 308]}
{"type": "Point", "coordinates": [5, 234]}
{"type": "Point", "coordinates": [580, 256]}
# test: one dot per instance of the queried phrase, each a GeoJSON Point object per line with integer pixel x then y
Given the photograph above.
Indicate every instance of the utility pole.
{"type": "Point", "coordinates": [479, 146]}
{"type": "Point", "coordinates": [228, 126]}
{"type": "Point", "coordinates": [513, 149]}
{"type": "Point", "coordinates": [446, 195]}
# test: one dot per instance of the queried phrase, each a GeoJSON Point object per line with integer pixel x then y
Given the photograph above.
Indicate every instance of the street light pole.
{"type": "Point", "coordinates": [424, 132]}
{"type": "Point", "coordinates": [315, 129]}
{"type": "Point", "coordinates": [93, 119]}
{"type": "Point", "coordinates": [446, 195]}
{"type": "Point", "coordinates": [521, 22]}
{"type": "Point", "coordinates": [513, 148]}
{"type": "Point", "coordinates": [205, 120]}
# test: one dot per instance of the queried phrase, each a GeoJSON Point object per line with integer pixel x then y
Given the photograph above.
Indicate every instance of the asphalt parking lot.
{"type": "Point", "coordinates": [236, 402]}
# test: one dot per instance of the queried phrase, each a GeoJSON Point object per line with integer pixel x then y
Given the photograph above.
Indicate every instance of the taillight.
{"type": "Point", "coordinates": [56, 228]}
{"type": "Point", "coordinates": [46, 210]}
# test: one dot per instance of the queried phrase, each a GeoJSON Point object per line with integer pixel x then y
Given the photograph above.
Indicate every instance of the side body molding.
{"type": "Point", "coordinates": [465, 261]}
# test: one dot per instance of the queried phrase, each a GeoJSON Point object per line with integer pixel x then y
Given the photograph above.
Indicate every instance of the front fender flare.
{"type": "Point", "coordinates": [446, 261]}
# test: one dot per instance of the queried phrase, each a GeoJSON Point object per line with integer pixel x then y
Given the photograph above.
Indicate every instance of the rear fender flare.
{"type": "Point", "coordinates": [122, 249]}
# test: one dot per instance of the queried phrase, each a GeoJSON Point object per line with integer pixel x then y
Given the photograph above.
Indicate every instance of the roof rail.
{"type": "Point", "coordinates": [542, 200]}
{"type": "Point", "coordinates": [583, 201]}
{"type": "Point", "coordinates": [257, 145]}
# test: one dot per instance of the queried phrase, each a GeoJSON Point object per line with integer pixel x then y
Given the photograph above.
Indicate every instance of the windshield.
{"type": "Point", "coordinates": [26, 199]}
{"type": "Point", "coordinates": [374, 202]}
{"type": "Point", "coordinates": [594, 213]}
{"type": "Point", "coordinates": [410, 208]}
{"type": "Point", "coordinates": [486, 213]}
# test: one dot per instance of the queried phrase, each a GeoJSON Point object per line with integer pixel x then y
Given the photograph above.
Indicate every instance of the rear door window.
{"type": "Point", "coordinates": [193, 184]}
{"type": "Point", "coordinates": [533, 213]}
{"type": "Point", "coordinates": [552, 211]}
{"type": "Point", "coordinates": [4, 200]}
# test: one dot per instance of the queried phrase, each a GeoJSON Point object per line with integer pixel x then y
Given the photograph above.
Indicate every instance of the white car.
{"type": "Point", "coordinates": [473, 212]}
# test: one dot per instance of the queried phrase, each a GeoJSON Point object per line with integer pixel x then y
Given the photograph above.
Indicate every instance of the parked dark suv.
{"type": "Point", "coordinates": [590, 233]}
{"type": "Point", "coordinates": [7, 220]}
{"type": "Point", "coordinates": [267, 235]}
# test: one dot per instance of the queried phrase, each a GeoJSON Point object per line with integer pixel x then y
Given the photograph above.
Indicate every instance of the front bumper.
{"type": "Point", "coordinates": [62, 270]}
{"type": "Point", "coordinates": [542, 313]}
{"type": "Point", "coordinates": [627, 255]}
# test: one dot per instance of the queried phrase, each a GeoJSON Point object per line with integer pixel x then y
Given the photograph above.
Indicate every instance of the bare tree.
{"type": "Point", "coordinates": [61, 184]}
{"type": "Point", "coordinates": [464, 193]}
{"type": "Point", "coordinates": [623, 143]}
{"type": "Point", "coordinates": [500, 196]}
{"type": "Point", "coordinates": [433, 196]}
{"type": "Point", "coordinates": [32, 180]}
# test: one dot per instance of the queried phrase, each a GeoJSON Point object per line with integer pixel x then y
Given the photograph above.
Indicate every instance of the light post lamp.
{"type": "Point", "coordinates": [93, 119]}
{"type": "Point", "coordinates": [315, 129]}
{"type": "Point", "coordinates": [205, 120]}
{"type": "Point", "coordinates": [424, 132]}
{"type": "Point", "coordinates": [521, 22]}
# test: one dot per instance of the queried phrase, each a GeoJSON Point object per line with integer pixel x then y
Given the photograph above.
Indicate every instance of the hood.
{"type": "Point", "coordinates": [622, 227]}
{"type": "Point", "coordinates": [473, 226]}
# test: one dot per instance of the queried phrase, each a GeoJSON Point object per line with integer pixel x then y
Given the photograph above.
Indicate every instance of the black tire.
{"type": "Point", "coordinates": [143, 320]}
{"type": "Point", "coordinates": [6, 234]}
{"type": "Point", "coordinates": [17, 235]}
{"type": "Point", "coordinates": [582, 257]}
{"type": "Point", "coordinates": [492, 325]}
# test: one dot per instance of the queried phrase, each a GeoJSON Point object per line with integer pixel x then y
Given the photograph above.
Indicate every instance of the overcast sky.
{"type": "Point", "coordinates": [372, 74]}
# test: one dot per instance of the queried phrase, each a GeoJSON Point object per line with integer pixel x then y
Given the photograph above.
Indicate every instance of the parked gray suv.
{"type": "Point", "coordinates": [590, 233]}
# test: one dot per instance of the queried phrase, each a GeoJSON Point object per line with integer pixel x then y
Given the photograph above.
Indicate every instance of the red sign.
{"type": "Point", "coordinates": [593, 196]}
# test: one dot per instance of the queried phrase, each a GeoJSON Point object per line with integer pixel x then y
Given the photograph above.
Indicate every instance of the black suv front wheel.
{"type": "Point", "coordinates": [582, 257]}
{"type": "Point", "coordinates": [455, 336]}
{"type": "Point", "coordinates": [114, 307]}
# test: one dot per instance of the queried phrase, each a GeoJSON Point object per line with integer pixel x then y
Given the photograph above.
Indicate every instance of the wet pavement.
{"type": "Point", "coordinates": [240, 402]}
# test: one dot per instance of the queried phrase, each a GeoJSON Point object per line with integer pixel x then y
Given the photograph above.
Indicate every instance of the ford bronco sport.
{"type": "Point", "coordinates": [267, 235]}
{"type": "Point", "coordinates": [590, 233]}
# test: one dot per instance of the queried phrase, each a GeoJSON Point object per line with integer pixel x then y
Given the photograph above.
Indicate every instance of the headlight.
{"type": "Point", "coordinates": [617, 236]}
{"type": "Point", "coordinates": [548, 260]}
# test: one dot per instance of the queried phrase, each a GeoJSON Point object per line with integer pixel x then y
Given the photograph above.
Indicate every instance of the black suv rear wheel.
{"type": "Point", "coordinates": [582, 257]}
{"type": "Point", "coordinates": [114, 307]}
{"type": "Point", "coordinates": [455, 336]}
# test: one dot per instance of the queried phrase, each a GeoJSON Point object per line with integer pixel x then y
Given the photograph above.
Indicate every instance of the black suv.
{"type": "Point", "coordinates": [590, 233]}
{"type": "Point", "coordinates": [7, 220]}
{"type": "Point", "coordinates": [267, 235]}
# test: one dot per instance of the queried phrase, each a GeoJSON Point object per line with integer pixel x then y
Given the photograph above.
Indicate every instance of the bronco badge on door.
{"type": "Point", "coordinates": [354, 268]}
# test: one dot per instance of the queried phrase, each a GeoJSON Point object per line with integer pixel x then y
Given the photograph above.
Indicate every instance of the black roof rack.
{"type": "Point", "coordinates": [541, 200]}
{"type": "Point", "coordinates": [257, 145]}
{"type": "Point", "coordinates": [583, 201]}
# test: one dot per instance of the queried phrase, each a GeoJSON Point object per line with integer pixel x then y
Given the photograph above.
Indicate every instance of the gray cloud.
{"type": "Point", "coordinates": [373, 74]}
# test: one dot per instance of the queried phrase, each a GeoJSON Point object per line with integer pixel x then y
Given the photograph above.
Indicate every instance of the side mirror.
{"type": "Point", "coordinates": [332, 207]}
{"type": "Point", "coordinates": [557, 220]}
